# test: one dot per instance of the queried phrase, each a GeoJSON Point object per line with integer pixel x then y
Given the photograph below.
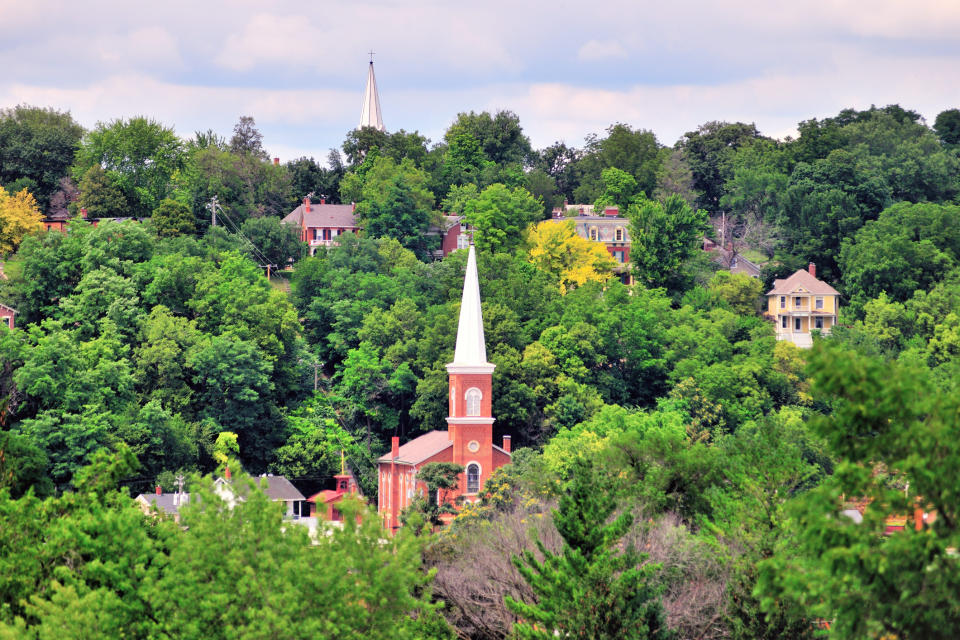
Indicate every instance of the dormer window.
{"type": "Point", "coordinates": [473, 397]}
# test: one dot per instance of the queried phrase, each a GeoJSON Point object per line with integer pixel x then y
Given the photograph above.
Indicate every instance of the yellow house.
{"type": "Point", "coordinates": [800, 305]}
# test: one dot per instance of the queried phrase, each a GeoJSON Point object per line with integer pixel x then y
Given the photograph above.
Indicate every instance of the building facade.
{"type": "Point", "coordinates": [468, 440]}
{"type": "Point", "coordinates": [320, 224]}
{"type": "Point", "coordinates": [609, 228]}
{"type": "Point", "coordinates": [802, 304]}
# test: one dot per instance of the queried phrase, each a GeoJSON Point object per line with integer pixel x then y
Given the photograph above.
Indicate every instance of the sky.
{"type": "Point", "coordinates": [567, 69]}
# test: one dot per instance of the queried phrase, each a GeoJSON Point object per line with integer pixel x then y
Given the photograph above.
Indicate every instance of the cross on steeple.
{"type": "Point", "coordinates": [371, 56]}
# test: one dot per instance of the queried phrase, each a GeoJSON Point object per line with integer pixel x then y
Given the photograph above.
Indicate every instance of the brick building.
{"type": "Point", "coordinates": [609, 228]}
{"type": "Point", "coordinates": [468, 440]}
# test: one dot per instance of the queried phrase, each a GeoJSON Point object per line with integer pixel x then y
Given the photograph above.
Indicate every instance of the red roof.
{"type": "Point", "coordinates": [421, 448]}
{"type": "Point", "coordinates": [802, 280]}
{"type": "Point", "coordinates": [324, 496]}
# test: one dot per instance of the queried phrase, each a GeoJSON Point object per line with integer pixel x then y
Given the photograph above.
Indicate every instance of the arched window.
{"type": "Point", "coordinates": [473, 397]}
{"type": "Point", "coordinates": [473, 478]}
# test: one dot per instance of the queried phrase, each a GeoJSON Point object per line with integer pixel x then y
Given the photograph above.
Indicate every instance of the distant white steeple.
{"type": "Point", "coordinates": [370, 116]}
{"type": "Point", "coordinates": [471, 350]}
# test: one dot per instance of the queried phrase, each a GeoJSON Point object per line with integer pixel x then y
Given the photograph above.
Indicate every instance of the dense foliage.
{"type": "Point", "coordinates": [683, 473]}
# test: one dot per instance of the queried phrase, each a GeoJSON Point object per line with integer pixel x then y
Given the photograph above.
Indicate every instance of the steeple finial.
{"type": "Point", "coordinates": [471, 349]}
{"type": "Point", "coordinates": [370, 115]}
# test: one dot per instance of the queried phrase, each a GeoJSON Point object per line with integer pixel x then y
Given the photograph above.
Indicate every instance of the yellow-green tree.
{"type": "Point", "coordinates": [19, 215]}
{"type": "Point", "coordinates": [555, 247]}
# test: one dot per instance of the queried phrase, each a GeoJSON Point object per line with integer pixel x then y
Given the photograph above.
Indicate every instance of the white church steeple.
{"type": "Point", "coordinates": [370, 116]}
{"type": "Point", "coordinates": [471, 351]}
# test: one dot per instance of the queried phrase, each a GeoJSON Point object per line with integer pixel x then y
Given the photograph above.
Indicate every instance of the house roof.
{"type": "Point", "coordinates": [323, 215]}
{"type": "Point", "coordinates": [165, 501]}
{"type": "Point", "coordinates": [421, 448]}
{"type": "Point", "coordinates": [802, 280]}
{"type": "Point", "coordinates": [279, 488]}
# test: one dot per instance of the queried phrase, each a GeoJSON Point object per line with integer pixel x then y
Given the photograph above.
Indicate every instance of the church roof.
{"type": "Point", "coordinates": [421, 448]}
{"type": "Point", "coordinates": [370, 115]}
{"type": "Point", "coordinates": [471, 349]}
{"type": "Point", "coordinates": [802, 279]}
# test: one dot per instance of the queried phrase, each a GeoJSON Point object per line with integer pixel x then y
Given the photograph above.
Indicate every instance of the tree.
{"type": "Point", "coordinates": [889, 427]}
{"type": "Point", "coordinates": [709, 151]}
{"type": "Point", "coordinates": [99, 196]}
{"type": "Point", "coordinates": [269, 238]}
{"type": "Point", "coordinates": [499, 216]}
{"type": "Point", "coordinates": [738, 290]}
{"type": "Point", "coordinates": [619, 190]}
{"type": "Point", "coordinates": [440, 478]}
{"type": "Point", "coordinates": [139, 155]}
{"type": "Point", "coordinates": [397, 204]}
{"type": "Point", "coordinates": [247, 139]}
{"type": "Point", "coordinates": [635, 151]}
{"type": "Point", "coordinates": [37, 144]}
{"type": "Point", "coordinates": [663, 236]}
{"type": "Point", "coordinates": [556, 249]}
{"type": "Point", "coordinates": [23, 465]}
{"type": "Point", "coordinates": [172, 218]}
{"type": "Point", "coordinates": [589, 590]}
{"type": "Point", "coordinates": [500, 136]}
{"type": "Point", "coordinates": [947, 126]}
{"type": "Point", "coordinates": [19, 216]}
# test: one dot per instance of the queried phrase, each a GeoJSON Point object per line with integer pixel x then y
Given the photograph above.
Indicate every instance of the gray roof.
{"type": "Point", "coordinates": [165, 501]}
{"type": "Point", "coordinates": [338, 216]}
{"type": "Point", "coordinates": [279, 488]}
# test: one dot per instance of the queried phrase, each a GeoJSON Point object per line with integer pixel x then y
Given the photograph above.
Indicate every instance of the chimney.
{"type": "Point", "coordinates": [83, 212]}
{"type": "Point", "coordinates": [506, 443]}
{"type": "Point", "coordinates": [353, 207]}
{"type": "Point", "coordinates": [812, 268]}
{"type": "Point", "coordinates": [323, 201]}
{"type": "Point", "coordinates": [226, 473]}
{"type": "Point", "coordinates": [276, 162]}
{"type": "Point", "coordinates": [306, 204]}
{"type": "Point", "coordinates": [395, 447]}
{"type": "Point", "coordinates": [611, 212]}
{"type": "Point", "coordinates": [159, 491]}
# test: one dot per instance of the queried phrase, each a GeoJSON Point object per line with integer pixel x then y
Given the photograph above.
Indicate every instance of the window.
{"type": "Point", "coordinates": [818, 302]}
{"type": "Point", "coordinates": [473, 397]}
{"type": "Point", "coordinates": [783, 302]}
{"type": "Point", "coordinates": [783, 321]}
{"type": "Point", "coordinates": [594, 235]}
{"type": "Point", "coordinates": [473, 478]}
{"type": "Point", "coordinates": [463, 241]}
{"type": "Point", "coordinates": [818, 323]}
{"type": "Point", "coordinates": [796, 324]}
{"type": "Point", "coordinates": [618, 235]}
{"type": "Point", "coordinates": [618, 256]}
{"type": "Point", "coordinates": [797, 302]}
{"type": "Point", "coordinates": [326, 234]}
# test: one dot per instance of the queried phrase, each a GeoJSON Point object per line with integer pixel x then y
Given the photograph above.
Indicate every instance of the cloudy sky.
{"type": "Point", "coordinates": [566, 68]}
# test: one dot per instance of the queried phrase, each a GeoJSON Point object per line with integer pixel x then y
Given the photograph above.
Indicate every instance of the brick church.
{"type": "Point", "coordinates": [468, 440]}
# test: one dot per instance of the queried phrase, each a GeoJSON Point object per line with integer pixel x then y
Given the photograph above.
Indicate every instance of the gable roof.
{"type": "Point", "coordinates": [802, 280]}
{"type": "Point", "coordinates": [166, 502]}
{"type": "Point", "coordinates": [421, 448]}
{"type": "Point", "coordinates": [279, 488]}
{"type": "Point", "coordinates": [323, 215]}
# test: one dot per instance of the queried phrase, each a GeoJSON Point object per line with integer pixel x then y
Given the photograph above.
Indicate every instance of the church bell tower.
{"type": "Point", "coordinates": [470, 421]}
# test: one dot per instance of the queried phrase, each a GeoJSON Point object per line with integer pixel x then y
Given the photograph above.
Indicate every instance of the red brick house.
{"type": "Point", "coordinates": [468, 440]}
{"type": "Point", "coordinates": [320, 224]}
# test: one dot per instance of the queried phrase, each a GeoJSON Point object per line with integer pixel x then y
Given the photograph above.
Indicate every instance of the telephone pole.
{"type": "Point", "coordinates": [212, 205]}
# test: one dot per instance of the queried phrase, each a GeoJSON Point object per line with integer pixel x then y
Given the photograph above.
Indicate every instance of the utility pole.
{"type": "Point", "coordinates": [212, 205]}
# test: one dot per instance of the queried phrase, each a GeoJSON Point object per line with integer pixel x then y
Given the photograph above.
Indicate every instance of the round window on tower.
{"type": "Point", "coordinates": [473, 446]}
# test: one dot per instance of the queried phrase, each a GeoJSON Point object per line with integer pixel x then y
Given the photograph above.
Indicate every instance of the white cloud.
{"type": "Point", "coordinates": [601, 50]}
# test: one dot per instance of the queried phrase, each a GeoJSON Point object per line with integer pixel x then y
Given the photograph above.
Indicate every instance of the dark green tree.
{"type": "Point", "coordinates": [397, 204]}
{"type": "Point", "coordinates": [172, 218]}
{"type": "Point", "coordinates": [663, 236]}
{"type": "Point", "coordinates": [947, 126]}
{"type": "Point", "coordinates": [590, 589]}
{"type": "Point", "coordinates": [100, 196]}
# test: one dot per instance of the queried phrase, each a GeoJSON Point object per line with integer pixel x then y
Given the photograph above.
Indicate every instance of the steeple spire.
{"type": "Point", "coordinates": [471, 349]}
{"type": "Point", "coordinates": [370, 116]}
